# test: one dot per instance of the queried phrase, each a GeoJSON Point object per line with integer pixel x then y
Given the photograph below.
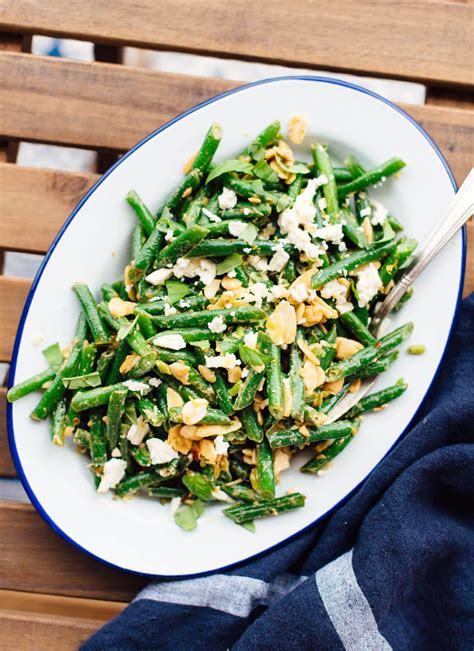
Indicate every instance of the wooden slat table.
{"type": "Point", "coordinates": [51, 595]}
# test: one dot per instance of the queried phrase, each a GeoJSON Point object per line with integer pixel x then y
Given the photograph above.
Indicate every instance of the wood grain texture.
{"type": "Point", "coordinates": [13, 292]}
{"type": "Point", "coordinates": [7, 469]}
{"type": "Point", "coordinates": [429, 41]}
{"type": "Point", "coordinates": [30, 632]}
{"type": "Point", "coordinates": [63, 570]}
{"type": "Point", "coordinates": [34, 203]}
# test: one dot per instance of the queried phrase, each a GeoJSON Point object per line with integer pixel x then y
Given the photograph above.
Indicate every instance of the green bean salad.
{"type": "Point", "coordinates": [241, 320]}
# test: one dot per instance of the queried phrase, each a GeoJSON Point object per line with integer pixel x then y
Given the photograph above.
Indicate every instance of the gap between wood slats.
{"type": "Point", "coordinates": [100, 105]}
{"type": "Point", "coordinates": [428, 41]}
{"type": "Point", "coordinates": [62, 570]}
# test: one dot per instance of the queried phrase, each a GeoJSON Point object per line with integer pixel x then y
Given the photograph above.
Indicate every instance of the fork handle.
{"type": "Point", "coordinates": [459, 211]}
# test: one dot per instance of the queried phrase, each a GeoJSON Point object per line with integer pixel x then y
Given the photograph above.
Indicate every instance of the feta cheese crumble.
{"type": "Point", "coordinates": [113, 472]}
{"type": "Point", "coordinates": [237, 228]}
{"type": "Point", "coordinates": [160, 451]}
{"type": "Point", "coordinates": [137, 387]}
{"type": "Point", "coordinates": [173, 342]}
{"type": "Point", "coordinates": [138, 431]}
{"type": "Point", "coordinates": [379, 214]}
{"type": "Point", "coordinates": [190, 268]}
{"type": "Point", "coordinates": [221, 445]}
{"type": "Point", "coordinates": [211, 216]}
{"type": "Point", "coordinates": [279, 259]}
{"type": "Point", "coordinates": [227, 199]}
{"type": "Point", "coordinates": [330, 233]}
{"type": "Point", "coordinates": [368, 284]}
{"type": "Point", "coordinates": [250, 339]}
{"type": "Point", "coordinates": [228, 361]}
{"type": "Point", "coordinates": [217, 324]}
{"type": "Point", "coordinates": [338, 291]}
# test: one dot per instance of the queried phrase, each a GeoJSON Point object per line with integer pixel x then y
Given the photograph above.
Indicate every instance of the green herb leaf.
{"type": "Point", "coordinates": [185, 518]}
{"type": "Point", "coordinates": [198, 485]}
{"type": "Point", "coordinates": [263, 170]}
{"type": "Point", "coordinates": [82, 381]}
{"type": "Point", "coordinates": [126, 330]}
{"type": "Point", "coordinates": [234, 389]}
{"type": "Point", "coordinates": [229, 263]}
{"type": "Point", "coordinates": [203, 345]}
{"type": "Point", "coordinates": [176, 290]}
{"type": "Point", "coordinates": [249, 234]}
{"type": "Point", "coordinates": [252, 357]}
{"type": "Point", "coordinates": [257, 185]}
{"type": "Point", "coordinates": [229, 344]}
{"type": "Point", "coordinates": [198, 508]}
{"type": "Point", "coordinates": [53, 356]}
{"type": "Point", "coordinates": [232, 165]}
{"type": "Point", "coordinates": [387, 232]}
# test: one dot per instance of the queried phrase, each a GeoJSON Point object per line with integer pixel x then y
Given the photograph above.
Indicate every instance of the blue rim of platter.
{"type": "Point", "coordinates": [29, 298]}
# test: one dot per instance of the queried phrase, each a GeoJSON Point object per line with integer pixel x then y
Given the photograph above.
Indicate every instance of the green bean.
{"type": "Point", "coordinates": [395, 260]}
{"type": "Point", "coordinates": [170, 356]}
{"type": "Point", "coordinates": [180, 246]}
{"type": "Point", "coordinates": [82, 439]}
{"type": "Point", "coordinates": [249, 388]}
{"type": "Point", "coordinates": [119, 287]}
{"type": "Point", "coordinates": [249, 190]}
{"type": "Point", "coordinates": [266, 473]}
{"type": "Point", "coordinates": [377, 399]}
{"type": "Point", "coordinates": [244, 513]}
{"type": "Point", "coordinates": [324, 457]}
{"type": "Point", "coordinates": [265, 138]}
{"type": "Point", "coordinates": [115, 411]}
{"type": "Point", "coordinates": [240, 492]}
{"type": "Point", "coordinates": [93, 397]}
{"type": "Point", "coordinates": [371, 177]}
{"type": "Point", "coordinates": [98, 447]}
{"type": "Point", "coordinates": [108, 292]}
{"type": "Point", "coordinates": [150, 412]}
{"type": "Point", "coordinates": [166, 492]}
{"type": "Point", "coordinates": [331, 401]}
{"type": "Point", "coordinates": [145, 324]}
{"type": "Point", "coordinates": [58, 422]}
{"type": "Point", "coordinates": [144, 215]}
{"type": "Point", "coordinates": [328, 348]}
{"type": "Point", "coordinates": [89, 307]}
{"type": "Point", "coordinates": [311, 415]}
{"type": "Point", "coordinates": [198, 319]}
{"type": "Point", "coordinates": [358, 329]}
{"type": "Point", "coordinates": [114, 375]}
{"type": "Point", "coordinates": [296, 383]}
{"type": "Point", "coordinates": [352, 229]}
{"type": "Point", "coordinates": [274, 376]}
{"type": "Point", "coordinates": [247, 211]}
{"type": "Point", "coordinates": [204, 157]}
{"type": "Point", "coordinates": [283, 438]}
{"type": "Point", "coordinates": [323, 163]}
{"type": "Point", "coordinates": [222, 395]}
{"type": "Point", "coordinates": [393, 339]}
{"type": "Point", "coordinates": [55, 392]}
{"type": "Point", "coordinates": [104, 363]}
{"type": "Point", "coordinates": [377, 367]}
{"type": "Point", "coordinates": [342, 175]}
{"type": "Point", "coordinates": [193, 334]}
{"type": "Point", "coordinates": [141, 455]}
{"type": "Point", "coordinates": [148, 253]}
{"type": "Point", "coordinates": [212, 417]}
{"type": "Point", "coordinates": [158, 307]}
{"type": "Point", "coordinates": [136, 482]}
{"type": "Point", "coordinates": [353, 261]}
{"type": "Point", "coordinates": [31, 384]}
{"type": "Point", "coordinates": [354, 166]}
{"type": "Point", "coordinates": [252, 429]}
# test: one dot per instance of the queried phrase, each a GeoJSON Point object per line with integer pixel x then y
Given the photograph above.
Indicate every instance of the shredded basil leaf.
{"type": "Point", "coordinates": [82, 381]}
{"type": "Point", "coordinates": [263, 170]}
{"type": "Point", "coordinates": [232, 165]}
{"type": "Point", "coordinates": [229, 263]}
{"type": "Point", "coordinates": [176, 290]}
{"type": "Point", "coordinates": [53, 356]}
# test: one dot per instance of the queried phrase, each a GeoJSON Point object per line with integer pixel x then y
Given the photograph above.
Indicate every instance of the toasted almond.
{"type": "Point", "coordinates": [194, 411]}
{"type": "Point", "coordinates": [281, 461]}
{"type": "Point", "coordinates": [284, 150]}
{"type": "Point", "coordinates": [128, 363]}
{"type": "Point", "coordinates": [282, 174]}
{"type": "Point", "coordinates": [297, 129]}
{"type": "Point", "coordinates": [259, 416]}
{"type": "Point", "coordinates": [355, 386]}
{"type": "Point", "coordinates": [312, 315]}
{"type": "Point", "coordinates": [281, 324]}
{"type": "Point", "coordinates": [313, 376]}
{"type": "Point", "coordinates": [178, 442]}
{"type": "Point", "coordinates": [180, 371]}
{"type": "Point", "coordinates": [270, 153]}
{"type": "Point", "coordinates": [307, 352]}
{"type": "Point", "coordinates": [249, 456]}
{"type": "Point", "coordinates": [368, 231]}
{"type": "Point", "coordinates": [303, 430]}
{"type": "Point", "coordinates": [234, 374]}
{"type": "Point", "coordinates": [326, 309]}
{"type": "Point", "coordinates": [207, 373]}
{"type": "Point", "coordinates": [187, 193]}
{"type": "Point", "coordinates": [206, 451]}
{"type": "Point", "coordinates": [290, 179]}
{"type": "Point", "coordinates": [287, 398]}
{"type": "Point", "coordinates": [211, 290]}
{"type": "Point", "coordinates": [334, 387]}
{"type": "Point", "coordinates": [118, 307]}
{"type": "Point", "coordinates": [173, 399]}
{"type": "Point", "coordinates": [198, 432]}
{"type": "Point", "coordinates": [188, 165]}
{"type": "Point", "coordinates": [347, 347]}
{"type": "Point", "coordinates": [255, 200]}
{"type": "Point", "coordinates": [299, 314]}
{"type": "Point", "coordinates": [231, 283]}
{"type": "Point", "coordinates": [304, 279]}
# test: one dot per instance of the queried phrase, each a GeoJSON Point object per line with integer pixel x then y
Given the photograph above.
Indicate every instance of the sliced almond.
{"type": "Point", "coordinates": [281, 461]}
{"type": "Point", "coordinates": [188, 165]}
{"type": "Point", "coordinates": [281, 324]}
{"type": "Point", "coordinates": [231, 283]}
{"type": "Point", "coordinates": [355, 386]}
{"type": "Point", "coordinates": [297, 129]}
{"type": "Point", "coordinates": [198, 432]}
{"type": "Point", "coordinates": [128, 363]}
{"type": "Point", "coordinates": [282, 174]}
{"type": "Point", "coordinates": [304, 279]}
{"type": "Point", "coordinates": [313, 376]}
{"type": "Point", "coordinates": [334, 387]}
{"type": "Point", "coordinates": [118, 307]}
{"type": "Point", "coordinates": [207, 373]}
{"type": "Point", "coordinates": [287, 398]}
{"type": "Point", "coordinates": [347, 347]}
{"type": "Point", "coordinates": [211, 290]}
{"type": "Point", "coordinates": [368, 231]}
{"type": "Point", "coordinates": [178, 442]}
{"type": "Point", "coordinates": [173, 399]}
{"type": "Point", "coordinates": [234, 374]}
{"type": "Point", "coordinates": [284, 150]}
{"type": "Point", "coordinates": [307, 352]}
{"type": "Point", "coordinates": [207, 451]}
{"type": "Point", "coordinates": [304, 431]}
{"type": "Point", "coordinates": [249, 456]}
{"type": "Point", "coordinates": [180, 372]}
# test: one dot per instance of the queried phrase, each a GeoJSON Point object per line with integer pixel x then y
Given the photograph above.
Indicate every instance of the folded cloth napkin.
{"type": "Point", "coordinates": [391, 568]}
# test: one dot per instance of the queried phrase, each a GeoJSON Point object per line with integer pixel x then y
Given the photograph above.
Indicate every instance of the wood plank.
{"type": "Point", "coordinates": [100, 105]}
{"type": "Point", "coordinates": [63, 570]}
{"type": "Point", "coordinates": [13, 293]}
{"type": "Point", "coordinates": [429, 41]}
{"type": "Point", "coordinates": [7, 469]}
{"type": "Point", "coordinates": [27, 632]}
{"type": "Point", "coordinates": [34, 203]}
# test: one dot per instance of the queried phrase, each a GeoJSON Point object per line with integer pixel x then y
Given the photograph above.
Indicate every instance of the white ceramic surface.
{"type": "Point", "coordinates": [139, 534]}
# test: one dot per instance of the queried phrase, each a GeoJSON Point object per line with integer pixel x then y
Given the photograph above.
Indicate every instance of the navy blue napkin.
{"type": "Point", "coordinates": [392, 568]}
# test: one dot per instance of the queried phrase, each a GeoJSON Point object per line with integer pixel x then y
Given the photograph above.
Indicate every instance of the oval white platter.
{"type": "Point", "coordinates": [139, 535]}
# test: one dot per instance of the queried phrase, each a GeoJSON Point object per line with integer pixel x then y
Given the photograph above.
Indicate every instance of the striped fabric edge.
{"type": "Point", "coordinates": [234, 595]}
{"type": "Point", "coordinates": [347, 607]}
